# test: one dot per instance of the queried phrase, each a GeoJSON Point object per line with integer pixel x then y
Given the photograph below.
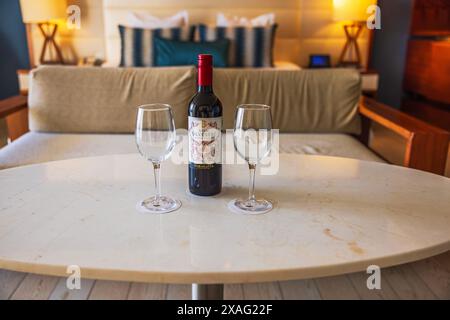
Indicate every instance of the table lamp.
{"type": "Point", "coordinates": [45, 13]}
{"type": "Point", "coordinates": [353, 14]}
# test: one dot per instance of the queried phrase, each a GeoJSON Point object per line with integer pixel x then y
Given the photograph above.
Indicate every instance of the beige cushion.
{"type": "Point", "coordinates": [104, 100]}
{"type": "Point", "coordinates": [322, 101]}
{"type": "Point", "coordinates": [94, 100]}
{"type": "Point", "coordinates": [336, 145]}
{"type": "Point", "coordinates": [41, 147]}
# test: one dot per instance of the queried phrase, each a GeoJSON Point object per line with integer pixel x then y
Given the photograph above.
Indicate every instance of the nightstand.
{"type": "Point", "coordinates": [23, 76]}
{"type": "Point", "coordinates": [369, 84]}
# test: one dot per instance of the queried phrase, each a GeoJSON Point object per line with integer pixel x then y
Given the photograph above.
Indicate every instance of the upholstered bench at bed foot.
{"type": "Point", "coordinates": [36, 147]}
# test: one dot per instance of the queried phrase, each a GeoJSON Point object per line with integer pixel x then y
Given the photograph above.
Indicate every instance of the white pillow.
{"type": "Point", "coordinates": [260, 21]}
{"type": "Point", "coordinates": [147, 21]}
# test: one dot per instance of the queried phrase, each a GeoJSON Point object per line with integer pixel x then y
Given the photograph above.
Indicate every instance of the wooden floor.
{"type": "Point", "coordinates": [426, 279]}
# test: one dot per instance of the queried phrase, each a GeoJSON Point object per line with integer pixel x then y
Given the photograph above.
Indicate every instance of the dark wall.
{"type": "Point", "coordinates": [13, 47]}
{"type": "Point", "coordinates": [389, 49]}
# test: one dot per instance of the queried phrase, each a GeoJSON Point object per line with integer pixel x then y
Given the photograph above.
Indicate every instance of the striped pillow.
{"type": "Point", "coordinates": [249, 46]}
{"type": "Point", "coordinates": [137, 44]}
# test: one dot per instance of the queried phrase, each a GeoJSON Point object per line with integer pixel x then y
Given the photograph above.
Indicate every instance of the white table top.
{"type": "Point", "coordinates": [331, 216]}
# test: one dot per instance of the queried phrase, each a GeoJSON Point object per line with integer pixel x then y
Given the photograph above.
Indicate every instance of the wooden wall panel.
{"type": "Point", "coordinates": [417, 66]}
{"type": "Point", "coordinates": [431, 17]}
{"type": "Point", "coordinates": [439, 84]}
{"type": "Point", "coordinates": [427, 70]}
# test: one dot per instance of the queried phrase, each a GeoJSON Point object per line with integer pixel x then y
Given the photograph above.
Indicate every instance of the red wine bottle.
{"type": "Point", "coordinates": [205, 140]}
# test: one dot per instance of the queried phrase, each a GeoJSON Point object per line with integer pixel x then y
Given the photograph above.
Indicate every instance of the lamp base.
{"type": "Point", "coordinates": [351, 55]}
{"type": "Point", "coordinates": [49, 30]}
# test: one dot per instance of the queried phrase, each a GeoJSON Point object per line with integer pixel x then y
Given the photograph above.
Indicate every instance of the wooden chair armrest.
{"type": "Point", "coordinates": [426, 147]}
{"type": "Point", "coordinates": [11, 105]}
{"type": "Point", "coordinates": [14, 110]}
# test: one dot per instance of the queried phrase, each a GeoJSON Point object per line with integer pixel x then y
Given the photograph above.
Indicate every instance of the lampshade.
{"type": "Point", "coordinates": [351, 10]}
{"type": "Point", "coordinates": [35, 11]}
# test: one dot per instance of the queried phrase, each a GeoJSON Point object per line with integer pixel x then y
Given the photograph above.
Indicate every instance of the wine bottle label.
{"type": "Point", "coordinates": [205, 140]}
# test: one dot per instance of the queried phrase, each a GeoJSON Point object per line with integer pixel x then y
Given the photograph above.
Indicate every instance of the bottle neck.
{"type": "Point", "coordinates": [205, 79]}
{"type": "Point", "coordinates": [205, 89]}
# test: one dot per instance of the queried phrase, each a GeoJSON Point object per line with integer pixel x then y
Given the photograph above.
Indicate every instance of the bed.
{"type": "Point", "coordinates": [204, 11]}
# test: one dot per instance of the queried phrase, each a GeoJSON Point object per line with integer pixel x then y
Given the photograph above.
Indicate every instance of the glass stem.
{"type": "Point", "coordinates": [156, 169]}
{"type": "Point", "coordinates": [251, 186]}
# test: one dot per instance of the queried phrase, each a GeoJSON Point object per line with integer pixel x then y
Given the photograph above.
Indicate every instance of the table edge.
{"type": "Point", "coordinates": [226, 277]}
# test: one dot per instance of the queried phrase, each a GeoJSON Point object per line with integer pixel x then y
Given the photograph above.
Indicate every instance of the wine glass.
{"type": "Point", "coordinates": [155, 140]}
{"type": "Point", "coordinates": [252, 140]}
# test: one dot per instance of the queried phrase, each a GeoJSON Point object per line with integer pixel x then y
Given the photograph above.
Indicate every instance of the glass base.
{"type": "Point", "coordinates": [250, 206]}
{"type": "Point", "coordinates": [164, 205]}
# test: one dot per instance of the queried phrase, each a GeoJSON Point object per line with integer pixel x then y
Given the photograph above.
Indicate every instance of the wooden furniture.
{"type": "Point", "coordinates": [427, 145]}
{"type": "Point", "coordinates": [369, 82]}
{"type": "Point", "coordinates": [332, 216]}
{"type": "Point", "coordinates": [431, 17]}
{"type": "Point", "coordinates": [15, 111]}
{"type": "Point", "coordinates": [427, 82]}
{"type": "Point", "coordinates": [17, 119]}
{"type": "Point", "coordinates": [11, 105]}
{"type": "Point", "coordinates": [427, 68]}
{"type": "Point", "coordinates": [427, 71]}
{"type": "Point", "coordinates": [436, 114]}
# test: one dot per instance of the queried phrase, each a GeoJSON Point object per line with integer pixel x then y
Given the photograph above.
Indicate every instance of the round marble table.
{"type": "Point", "coordinates": [331, 216]}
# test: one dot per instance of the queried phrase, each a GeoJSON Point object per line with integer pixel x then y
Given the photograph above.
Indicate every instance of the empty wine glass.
{"type": "Point", "coordinates": [252, 140]}
{"type": "Point", "coordinates": [155, 140]}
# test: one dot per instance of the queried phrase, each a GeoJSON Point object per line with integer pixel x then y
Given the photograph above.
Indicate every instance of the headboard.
{"type": "Point", "coordinates": [287, 15]}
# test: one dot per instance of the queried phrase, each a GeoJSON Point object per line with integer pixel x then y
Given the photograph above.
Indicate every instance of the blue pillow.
{"type": "Point", "coordinates": [182, 53]}
{"type": "Point", "coordinates": [137, 43]}
{"type": "Point", "coordinates": [249, 46]}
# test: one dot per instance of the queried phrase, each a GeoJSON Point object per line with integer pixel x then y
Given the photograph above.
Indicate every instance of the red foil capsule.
{"type": "Point", "coordinates": [205, 63]}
